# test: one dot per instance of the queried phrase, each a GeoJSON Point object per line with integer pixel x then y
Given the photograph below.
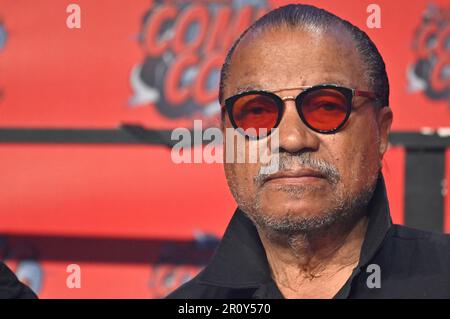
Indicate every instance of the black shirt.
{"type": "Point", "coordinates": [412, 263]}
{"type": "Point", "coordinates": [11, 287]}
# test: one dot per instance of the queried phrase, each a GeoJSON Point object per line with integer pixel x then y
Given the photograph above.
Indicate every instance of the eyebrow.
{"type": "Point", "coordinates": [243, 89]}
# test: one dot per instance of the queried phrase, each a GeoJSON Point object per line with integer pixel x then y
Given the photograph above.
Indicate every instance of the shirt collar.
{"type": "Point", "coordinates": [240, 260]}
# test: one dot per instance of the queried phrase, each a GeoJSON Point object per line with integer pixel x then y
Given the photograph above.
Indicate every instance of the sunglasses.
{"type": "Point", "coordinates": [323, 108]}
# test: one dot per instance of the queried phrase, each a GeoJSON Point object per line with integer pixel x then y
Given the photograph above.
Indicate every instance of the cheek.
{"type": "Point", "coordinates": [357, 159]}
{"type": "Point", "coordinates": [359, 163]}
{"type": "Point", "coordinates": [241, 162]}
{"type": "Point", "coordinates": [240, 182]}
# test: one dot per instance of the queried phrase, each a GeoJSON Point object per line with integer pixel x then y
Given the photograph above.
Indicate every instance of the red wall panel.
{"type": "Point", "coordinates": [130, 198]}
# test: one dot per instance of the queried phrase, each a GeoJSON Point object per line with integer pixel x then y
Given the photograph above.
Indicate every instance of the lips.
{"type": "Point", "coordinates": [295, 176]}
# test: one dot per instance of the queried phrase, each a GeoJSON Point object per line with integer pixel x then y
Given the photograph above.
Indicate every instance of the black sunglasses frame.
{"type": "Point", "coordinates": [347, 92]}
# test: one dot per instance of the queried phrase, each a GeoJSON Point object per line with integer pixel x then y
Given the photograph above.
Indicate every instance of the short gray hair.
{"type": "Point", "coordinates": [299, 15]}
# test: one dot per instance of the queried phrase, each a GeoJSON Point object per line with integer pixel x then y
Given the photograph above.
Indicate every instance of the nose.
{"type": "Point", "coordinates": [294, 135]}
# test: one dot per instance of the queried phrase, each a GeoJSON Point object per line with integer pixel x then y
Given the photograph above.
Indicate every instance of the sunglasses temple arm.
{"type": "Point", "coordinates": [367, 94]}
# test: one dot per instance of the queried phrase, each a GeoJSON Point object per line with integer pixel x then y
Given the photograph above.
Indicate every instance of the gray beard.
{"type": "Point", "coordinates": [345, 213]}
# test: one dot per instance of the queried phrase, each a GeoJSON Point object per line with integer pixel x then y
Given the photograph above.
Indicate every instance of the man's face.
{"type": "Point", "coordinates": [345, 164]}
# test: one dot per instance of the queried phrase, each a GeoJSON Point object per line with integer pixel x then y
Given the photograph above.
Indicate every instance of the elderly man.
{"type": "Point", "coordinates": [319, 225]}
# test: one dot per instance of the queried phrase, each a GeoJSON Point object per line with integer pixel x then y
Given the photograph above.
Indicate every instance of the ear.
{"type": "Point", "coordinates": [384, 120]}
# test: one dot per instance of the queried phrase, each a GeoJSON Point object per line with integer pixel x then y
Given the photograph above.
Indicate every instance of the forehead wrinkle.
{"type": "Point", "coordinates": [259, 76]}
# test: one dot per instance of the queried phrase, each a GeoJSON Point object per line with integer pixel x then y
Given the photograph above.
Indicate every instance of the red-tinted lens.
{"type": "Point", "coordinates": [255, 113]}
{"type": "Point", "coordinates": [325, 109]}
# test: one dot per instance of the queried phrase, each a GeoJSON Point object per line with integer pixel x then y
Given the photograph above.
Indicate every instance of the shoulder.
{"type": "Point", "coordinates": [423, 237]}
{"type": "Point", "coordinates": [414, 263]}
{"type": "Point", "coordinates": [186, 291]}
{"type": "Point", "coordinates": [430, 249]}
{"type": "Point", "coordinates": [195, 289]}
{"type": "Point", "coordinates": [11, 287]}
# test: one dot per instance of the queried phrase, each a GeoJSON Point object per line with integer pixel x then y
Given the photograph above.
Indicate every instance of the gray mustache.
{"type": "Point", "coordinates": [289, 162]}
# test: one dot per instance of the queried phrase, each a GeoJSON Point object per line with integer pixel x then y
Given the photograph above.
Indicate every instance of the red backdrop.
{"type": "Point", "coordinates": [52, 76]}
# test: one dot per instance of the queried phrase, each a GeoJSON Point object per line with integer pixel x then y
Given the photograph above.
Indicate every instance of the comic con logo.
{"type": "Point", "coordinates": [184, 45]}
{"type": "Point", "coordinates": [2, 35]}
{"type": "Point", "coordinates": [431, 72]}
{"type": "Point", "coordinates": [179, 262]}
